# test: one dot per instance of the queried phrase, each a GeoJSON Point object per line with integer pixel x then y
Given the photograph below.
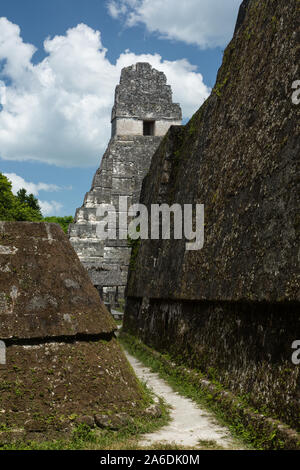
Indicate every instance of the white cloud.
{"type": "Point", "coordinates": [116, 10]}
{"type": "Point", "coordinates": [18, 182]}
{"type": "Point", "coordinates": [50, 208]}
{"type": "Point", "coordinates": [58, 111]}
{"type": "Point", "coordinates": [207, 23]}
{"type": "Point", "coordinates": [16, 53]}
{"type": "Point", "coordinates": [47, 207]}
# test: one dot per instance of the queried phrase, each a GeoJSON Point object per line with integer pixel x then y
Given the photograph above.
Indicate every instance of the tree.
{"type": "Point", "coordinates": [7, 199]}
{"type": "Point", "coordinates": [64, 222]}
{"type": "Point", "coordinates": [28, 199]}
{"type": "Point", "coordinates": [27, 207]}
{"type": "Point", "coordinates": [21, 207]}
{"type": "Point", "coordinates": [24, 206]}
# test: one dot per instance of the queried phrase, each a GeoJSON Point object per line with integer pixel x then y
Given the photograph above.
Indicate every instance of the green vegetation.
{"type": "Point", "coordinates": [220, 85]}
{"type": "Point", "coordinates": [64, 222]}
{"type": "Point", "coordinates": [121, 307]}
{"type": "Point", "coordinates": [21, 207]}
{"type": "Point", "coordinates": [84, 437]}
{"type": "Point", "coordinates": [134, 245]}
{"type": "Point", "coordinates": [248, 33]}
{"type": "Point", "coordinates": [24, 206]}
{"type": "Point", "coordinates": [232, 411]}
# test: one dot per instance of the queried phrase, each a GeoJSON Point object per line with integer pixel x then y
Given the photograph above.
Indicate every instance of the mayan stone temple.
{"type": "Point", "coordinates": [143, 112]}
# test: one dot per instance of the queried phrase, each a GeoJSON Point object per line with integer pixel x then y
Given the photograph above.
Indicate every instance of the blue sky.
{"type": "Point", "coordinates": [59, 63]}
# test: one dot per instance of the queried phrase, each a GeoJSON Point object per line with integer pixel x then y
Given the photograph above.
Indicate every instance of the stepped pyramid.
{"type": "Point", "coordinates": [142, 113]}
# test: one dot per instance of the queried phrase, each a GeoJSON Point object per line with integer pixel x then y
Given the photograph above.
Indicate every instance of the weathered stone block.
{"type": "Point", "coordinates": [61, 359]}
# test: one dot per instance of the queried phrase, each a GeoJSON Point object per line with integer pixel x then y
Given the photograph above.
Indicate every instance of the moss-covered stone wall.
{"type": "Point", "coordinates": [232, 308]}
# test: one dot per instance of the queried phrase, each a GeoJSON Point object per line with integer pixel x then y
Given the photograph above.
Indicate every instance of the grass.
{"type": "Point", "coordinates": [128, 438]}
{"type": "Point", "coordinates": [252, 427]}
{"type": "Point", "coordinates": [173, 376]}
{"type": "Point", "coordinates": [86, 438]}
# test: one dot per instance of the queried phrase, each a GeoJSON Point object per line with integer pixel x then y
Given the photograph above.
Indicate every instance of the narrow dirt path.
{"type": "Point", "coordinates": [190, 424]}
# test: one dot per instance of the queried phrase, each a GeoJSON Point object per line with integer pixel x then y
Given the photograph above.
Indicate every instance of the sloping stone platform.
{"type": "Point", "coordinates": [62, 359]}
